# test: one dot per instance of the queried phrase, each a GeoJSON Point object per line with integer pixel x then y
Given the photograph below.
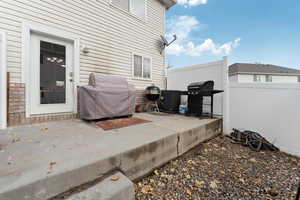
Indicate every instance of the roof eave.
{"type": "Point", "coordinates": [263, 73]}
{"type": "Point", "coordinates": [169, 3]}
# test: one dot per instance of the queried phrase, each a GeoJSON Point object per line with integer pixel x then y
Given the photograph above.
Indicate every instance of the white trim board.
{"type": "Point", "coordinates": [29, 28]}
{"type": "Point", "coordinates": [3, 83]}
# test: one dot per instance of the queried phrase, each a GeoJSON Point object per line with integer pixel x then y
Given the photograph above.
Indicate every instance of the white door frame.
{"type": "Point", "coordinates": [36, 107]}
{"type": "Point", "coordinates": [29, 28]}
{"type": "Point", "coordinates": [3, 82]}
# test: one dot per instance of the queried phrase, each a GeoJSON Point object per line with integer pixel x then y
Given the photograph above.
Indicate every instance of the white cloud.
{"type": "Point", "coordinates": [209, 46]}
{"type": "Point", "coordinates": [192, 2]}
{"type": "Point", "coordinates": [183, 26]}
{"type": "Point", "coordinates": [175, 49]}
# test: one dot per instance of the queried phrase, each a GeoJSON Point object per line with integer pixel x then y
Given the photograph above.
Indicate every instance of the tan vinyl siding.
{"type": "Point", "coordinates": [112, 35]}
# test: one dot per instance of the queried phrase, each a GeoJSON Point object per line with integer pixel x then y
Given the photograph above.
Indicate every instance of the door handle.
{"type": "Point", "coordinates": [71, 76]}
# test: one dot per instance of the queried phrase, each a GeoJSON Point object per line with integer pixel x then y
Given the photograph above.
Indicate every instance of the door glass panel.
{"type": "Point", "coordinates": [52, 73]}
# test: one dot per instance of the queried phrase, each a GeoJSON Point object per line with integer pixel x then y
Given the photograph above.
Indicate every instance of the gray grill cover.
{"type": "Point", "coordinates": [106, 96]}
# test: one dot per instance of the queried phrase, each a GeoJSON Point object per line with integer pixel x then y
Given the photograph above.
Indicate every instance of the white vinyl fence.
{"type": "Point", "coordinates": [179, 78]}
{"type": "Point", "coordinates": [271, 109]}
{"type": "Point", "coordinates": [2, 81]}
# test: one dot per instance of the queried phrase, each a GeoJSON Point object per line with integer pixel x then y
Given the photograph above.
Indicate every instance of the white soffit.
{"type": "Point", "coordinates": [169, 3]}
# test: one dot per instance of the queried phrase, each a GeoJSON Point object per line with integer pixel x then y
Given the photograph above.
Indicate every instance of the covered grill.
{"type": "Point", "coordinates": [196, 92]}
{"type": "Point", "coordinates": [106, 96]}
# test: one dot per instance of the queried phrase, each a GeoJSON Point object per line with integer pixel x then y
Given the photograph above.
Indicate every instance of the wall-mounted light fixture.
{"type": "Point", "coordinates": [85, 49]}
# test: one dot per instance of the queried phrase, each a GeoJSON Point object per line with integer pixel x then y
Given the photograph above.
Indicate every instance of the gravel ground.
{"type": "Point", "coordinates": [219, 170]}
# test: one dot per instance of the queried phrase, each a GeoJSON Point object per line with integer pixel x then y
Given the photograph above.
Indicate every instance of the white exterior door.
{"type": "Point", "coordinates": [51, 75]}
{"type": "Point", "coordinates": [3, 109]}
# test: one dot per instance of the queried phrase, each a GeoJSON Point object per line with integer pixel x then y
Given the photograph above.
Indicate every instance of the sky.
{"type": "Point", "coordinates": [247, 31]}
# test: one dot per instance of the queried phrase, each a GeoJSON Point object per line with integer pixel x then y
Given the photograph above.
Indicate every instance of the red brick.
{"type": "Point", "coordinates": [16, 108]}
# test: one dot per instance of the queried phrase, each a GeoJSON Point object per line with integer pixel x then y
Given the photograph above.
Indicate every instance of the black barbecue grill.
{"type": "Point", "coordinates": [196, 92]}
{"type": "Point", "coordinates": [152, 94]}
{"type": "Point", "coordinates": [201, 86]}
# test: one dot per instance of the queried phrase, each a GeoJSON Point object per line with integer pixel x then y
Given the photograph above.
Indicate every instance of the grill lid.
{"type": "Point", "coordinates": [152, 93]}
{"type": "Point", "coordinates": [203, 85]}
{"type": "Point", "coordinates": [153, 90]}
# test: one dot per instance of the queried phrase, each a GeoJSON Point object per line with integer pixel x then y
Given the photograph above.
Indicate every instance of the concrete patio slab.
{"type": "Point", "coordinates": [43, 160]}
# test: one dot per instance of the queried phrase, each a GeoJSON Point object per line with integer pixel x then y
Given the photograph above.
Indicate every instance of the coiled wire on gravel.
{"type": "Point", "coordinates": [253, 140]}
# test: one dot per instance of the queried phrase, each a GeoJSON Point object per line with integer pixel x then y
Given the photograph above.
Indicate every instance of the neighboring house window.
{"type": "Point", "coordinates": [135, 7]}
{"type": "Point", "coordinates": [141, 67]}
{"type": "Point", "coordinates": [257, 78]}
{"type": "Point", "coordinates": [268, 78]}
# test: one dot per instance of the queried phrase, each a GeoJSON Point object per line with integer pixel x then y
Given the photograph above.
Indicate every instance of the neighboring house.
{"type": "Point", "coordinates": [249, 73]}
{"type": "Point", "coordinates": [53, 46]}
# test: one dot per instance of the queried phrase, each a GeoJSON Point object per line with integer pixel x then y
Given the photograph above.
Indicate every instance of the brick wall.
{"type": "Point", "coordinates": [16, 108]}
{"type": "Point", "coordinates": [16, 104]}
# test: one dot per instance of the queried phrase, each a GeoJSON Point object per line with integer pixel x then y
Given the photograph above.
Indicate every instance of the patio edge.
{"type": "Point", "coordinates": [134, 163]}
